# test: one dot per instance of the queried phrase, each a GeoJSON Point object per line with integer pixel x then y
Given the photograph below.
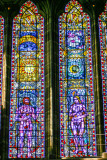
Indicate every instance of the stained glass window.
{"type": "Point", "coordinates": [26, 121]}
{"type": "Point", "coordinates": [77, 110]}
{"type": "Point", "coordinates": [1, 60]}
{"type": "Point", "coordinates": [103, 54]}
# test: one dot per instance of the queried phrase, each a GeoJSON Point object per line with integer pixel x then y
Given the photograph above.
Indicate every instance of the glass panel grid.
{"type": "Point", "coordinates": [77, 110]}
{"type": "Point", "coordinates": [26, 122]}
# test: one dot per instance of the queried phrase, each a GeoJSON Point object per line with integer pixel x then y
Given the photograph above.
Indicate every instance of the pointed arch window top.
{"type": "Point", "coordinates": [73, 4]}
{"type": "Point", "coordinates": [31, 9]}
{"type": "Point", "coordinates": [103, 14]}
{"type": "Point", "coordinates": [74, 14]}
{"type": "Point", "coordinates": [29, 4]}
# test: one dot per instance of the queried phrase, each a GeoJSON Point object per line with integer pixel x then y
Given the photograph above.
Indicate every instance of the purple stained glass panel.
{"type": "Point", "coordinates": [27, 118]}
{"type": "Point", "coordinates": [76, 93]}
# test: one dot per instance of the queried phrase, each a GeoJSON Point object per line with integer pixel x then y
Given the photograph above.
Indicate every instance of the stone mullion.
{"type": "Point", "coordinates": [96, 78]}
{"type": "Point", "coordinates": [48, 87]}
{"type": "Point", "coordinates": [55, 78]}
{"type": "Point", "coordinates": [6, 84]}
{"type": "Point", "coordinates": [3, 110]}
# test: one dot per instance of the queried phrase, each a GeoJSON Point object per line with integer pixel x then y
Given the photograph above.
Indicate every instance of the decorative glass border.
{"type": "Point", "coordinates": [1, 59]}
{"type": "Point", "coordinates": [103, 54]}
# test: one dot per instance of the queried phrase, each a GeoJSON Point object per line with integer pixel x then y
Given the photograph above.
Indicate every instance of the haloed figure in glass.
{"type": "Point", "coordinates": [77, 114]}
{"type": "Point", "coordinates": [24, 116]}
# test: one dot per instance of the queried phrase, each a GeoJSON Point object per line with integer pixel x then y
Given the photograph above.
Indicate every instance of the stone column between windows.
{"type": "Point", "coordinates": [97, 84]}
{"type": "Point", "coordinates": [48, 87]}
{"type": "Point", "coordinates": [6, 83]}
{"type": "Point", "coordinates": [55, 82]}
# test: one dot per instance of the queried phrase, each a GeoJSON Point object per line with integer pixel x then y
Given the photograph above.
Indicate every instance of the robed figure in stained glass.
{"type": "Point", "coordinates": [24, 116]}
{"type": "Point", "coordinates": [77, 114]}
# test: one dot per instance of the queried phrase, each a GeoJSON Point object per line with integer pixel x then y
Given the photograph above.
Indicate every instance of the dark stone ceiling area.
{"type": "Point", "coordinates": [53, 6]}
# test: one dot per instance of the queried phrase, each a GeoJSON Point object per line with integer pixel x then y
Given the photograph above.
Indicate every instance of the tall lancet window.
{"type": "Point", "coordinates": [77, 110]}
{"type": "Point", "coordinates": [26, 120]}
{"type": "Point", "coordinates": [103, 54]}
{"type": "Point", "coordinates": [1, 60]}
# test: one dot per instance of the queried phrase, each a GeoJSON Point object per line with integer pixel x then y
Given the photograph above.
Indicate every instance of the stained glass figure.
{"type": "Point", "coordinates": [77, 110]}
{"type": "Point", "coordinates": [103, 54]}
{"type": "Point", "coordinates": [26, 122]}
{"type": "Point", "coordinates": [1, 60]}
